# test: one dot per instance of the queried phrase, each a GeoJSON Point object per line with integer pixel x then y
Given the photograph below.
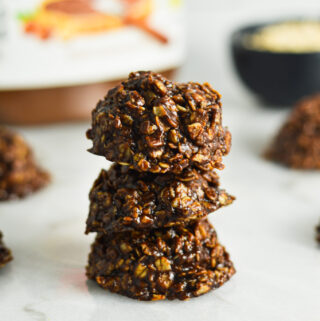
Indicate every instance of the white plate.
{"type": "Point", "coordinates": [29, 63]}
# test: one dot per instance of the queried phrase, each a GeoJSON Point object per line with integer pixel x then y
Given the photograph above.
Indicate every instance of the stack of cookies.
{"type": "Point", "coordinates": [150, 208]}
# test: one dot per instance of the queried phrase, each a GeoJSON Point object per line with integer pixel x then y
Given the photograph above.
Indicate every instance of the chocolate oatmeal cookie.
{"type": "Point", "coordinates": [5, 254]}
{"type": "Point", "coordinates": [19, 174]}
{"type": "Point", "coordinates": [124, 199]}
{"type": "Point", "coordinates": [152, 124]}
{"type": "Point", "coordinates": [297, 145]}
{"type": "Point", "coordinates": [173, 263]}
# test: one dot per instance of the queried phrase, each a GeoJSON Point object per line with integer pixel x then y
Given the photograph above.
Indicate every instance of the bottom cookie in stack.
{"type": "Point", "coordinates": [5, 254]}
{"type": "Point", "coordinates": [167, 263]}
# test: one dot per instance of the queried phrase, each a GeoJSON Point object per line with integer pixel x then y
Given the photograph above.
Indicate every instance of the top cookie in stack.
{"type": "Point", "coordinates": [152, 124]}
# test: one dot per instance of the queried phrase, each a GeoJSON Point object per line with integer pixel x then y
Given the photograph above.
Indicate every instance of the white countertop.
{"type": "Point", "coordinates": [269, 230]}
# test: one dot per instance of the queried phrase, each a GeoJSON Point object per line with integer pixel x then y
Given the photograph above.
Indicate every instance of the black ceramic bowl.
{"type": "Point", "coordinates": [276, 78]}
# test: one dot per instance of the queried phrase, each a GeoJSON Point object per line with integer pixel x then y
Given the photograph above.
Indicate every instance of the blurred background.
{"type": "Point", "coordinates": [209, 39]}
{"type": "Point", "coordinates": [48, 54]}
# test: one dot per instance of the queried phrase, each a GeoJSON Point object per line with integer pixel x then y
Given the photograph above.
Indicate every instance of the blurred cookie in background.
{"type": "Point", "coordinates": [297, 144]}
{"type": "Point", "coordinates": [19, 173]}
{"type": "Point", "coordinates": [5, 254]}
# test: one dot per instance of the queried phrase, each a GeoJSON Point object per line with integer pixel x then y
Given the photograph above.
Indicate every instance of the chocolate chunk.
{"type": "Point", "coordinates": [5, 254]}
{"type": "Point", "coordinates": [297, 145]}
{"type": "Point", "coordinates": [19, 174]}
{"type": "Point", "coordinates": [124, 199]}
{"type": "Point", "coordinates": [152, 124]}
{"type": "Point", "coordinates": [173, 263]}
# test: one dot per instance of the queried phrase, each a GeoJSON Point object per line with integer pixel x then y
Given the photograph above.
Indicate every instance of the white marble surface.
{"type": "Point", "coordinates": [269, 230]}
